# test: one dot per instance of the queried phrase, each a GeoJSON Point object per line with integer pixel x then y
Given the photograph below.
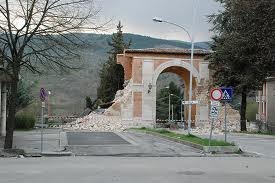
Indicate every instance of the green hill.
{"type": "Point", "coordinates": [70, 89]}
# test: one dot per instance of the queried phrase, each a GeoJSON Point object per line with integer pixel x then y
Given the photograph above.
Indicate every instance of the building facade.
{"type": "Point", "coordinates": [266, 104]}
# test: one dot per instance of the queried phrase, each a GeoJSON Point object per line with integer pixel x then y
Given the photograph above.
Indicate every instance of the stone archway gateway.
{"type": "Point", "coordinates": [142, 68]}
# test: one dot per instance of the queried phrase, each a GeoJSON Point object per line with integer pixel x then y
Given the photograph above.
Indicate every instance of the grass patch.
{"type": "Point", "coordinates": [190, 138]}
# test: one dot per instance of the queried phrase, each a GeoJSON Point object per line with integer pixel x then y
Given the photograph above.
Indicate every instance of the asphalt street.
{"type": "Point", "coordinates": [135, 170]}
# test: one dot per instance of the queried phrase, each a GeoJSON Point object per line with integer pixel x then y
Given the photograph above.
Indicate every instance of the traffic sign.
{"type": "Point", "coordinates": [227, 94]}
{"type": "Point", "coordinates": [216, 94]}
{"type": "Point", "coordinates": [214, 111]}
{"type": "Point", "coordinates": [190, 102]}
{"type": "Point", "coordinates": [215, 103]}
{"type": "Point", "coordinates": [42, 94]}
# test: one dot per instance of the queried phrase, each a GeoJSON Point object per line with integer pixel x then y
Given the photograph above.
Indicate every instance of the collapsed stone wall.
{"type": "Point", "coordinates": [110, 120]}
{"type": "Point", "coordinates": [121, 98]}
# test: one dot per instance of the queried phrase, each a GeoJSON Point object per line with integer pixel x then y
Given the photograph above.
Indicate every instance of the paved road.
{"type": "Point", "coordinates": [126, 144]}
{"type": "Point", "coordinates": [135, 170]}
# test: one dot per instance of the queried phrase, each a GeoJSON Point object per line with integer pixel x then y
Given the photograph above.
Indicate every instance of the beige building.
{"type": "Point", "coordinates": [266, 104]}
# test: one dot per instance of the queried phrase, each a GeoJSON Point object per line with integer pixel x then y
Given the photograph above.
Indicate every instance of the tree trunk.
{"type": "Point", "coordinates": [243, 110]}
{"type": "Point", "coordinates": [11, 115]}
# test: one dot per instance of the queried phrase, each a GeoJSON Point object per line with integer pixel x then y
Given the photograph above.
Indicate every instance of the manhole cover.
{"type": "Point", "coordinates": [191, 173]}
{"type": "Point", "coordinates": [94, 138]}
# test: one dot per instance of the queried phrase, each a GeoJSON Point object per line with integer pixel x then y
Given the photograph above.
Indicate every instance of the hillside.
{"type": "Point", "coordinates": [70, 89]}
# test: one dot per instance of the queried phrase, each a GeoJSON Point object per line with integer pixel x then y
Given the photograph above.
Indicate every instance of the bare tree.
{"type": "Point", "coordinates": [40, 32]}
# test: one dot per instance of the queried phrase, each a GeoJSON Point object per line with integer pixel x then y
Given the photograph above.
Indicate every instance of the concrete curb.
{"type": "Point", "coordinates": [205, 149]}
{"type": "Point", "coordinates": [56, 154]}
{"type": "Point", "coordinates": [221, 149]}
{"type": "Point", "coordinates": [254, 135]}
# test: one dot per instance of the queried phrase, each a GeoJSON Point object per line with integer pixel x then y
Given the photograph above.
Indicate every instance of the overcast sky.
{"type": "Point", "coordinates": [136, 16]}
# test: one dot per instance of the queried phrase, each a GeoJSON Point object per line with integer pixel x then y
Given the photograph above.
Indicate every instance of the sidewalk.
{"type": "Point", "coordinates": [30, 141]}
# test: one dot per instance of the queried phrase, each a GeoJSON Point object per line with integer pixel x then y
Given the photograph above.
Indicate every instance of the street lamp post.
{"type": "Point", "coordinates": [172, 113]}
{"type": "Point", "coordinates": [156, 19]}
{"type": "Point", "coordinates": [49, 94]}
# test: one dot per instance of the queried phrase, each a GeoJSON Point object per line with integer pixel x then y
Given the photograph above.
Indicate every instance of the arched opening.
{"type": "Point", "coordinates": [169, 95]}
{"type": "Point", "coordinates": [173, 80]}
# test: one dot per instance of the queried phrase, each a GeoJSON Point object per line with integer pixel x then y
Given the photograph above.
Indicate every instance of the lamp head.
{"type": "Point", "coordinates": [157, 19]}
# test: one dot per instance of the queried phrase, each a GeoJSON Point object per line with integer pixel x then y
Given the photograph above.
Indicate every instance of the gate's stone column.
{"type": "Point", "coordinates": [137, 90]}
{"type": "Point", "coordinates": [202, 95]}
{"type": "Point", "coordinates": [148, 93]}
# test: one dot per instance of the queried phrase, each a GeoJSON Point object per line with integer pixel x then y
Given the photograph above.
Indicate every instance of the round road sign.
{"type": "Point", "coordinates": [216, 94]}
{"type": "Point", "coordinates": [42, 94]}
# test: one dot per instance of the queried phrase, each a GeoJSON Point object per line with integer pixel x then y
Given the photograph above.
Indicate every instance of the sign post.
{"type": "Point", "coordinates": [213, 115]}
{"type": "Point", "coordinates": [215, 95]}
{"type": "Point", "coordinates": [227, 94]}
{"type": "Point", "coordinates": [42, 98]}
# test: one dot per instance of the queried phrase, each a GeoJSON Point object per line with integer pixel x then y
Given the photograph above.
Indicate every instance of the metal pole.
{"type": "Point", "coordinates": [191, 69]}
{"type": "Point", "coordinates": [181, 112]}
{"type": "Point", "coordinates": [49, 111]}
{"type": "Point", "coordinates": [211, 131]}
{"type": "Point", "coordinates": [42, 124]}
{"type": "Point", "coordinates": [169, 108]}
{"type": "Point", "coordinates": [225, 125]}
{"type": "Point", "coordinates": [172, 113]}
{"type": "Point", "coordinates": [190, 88]}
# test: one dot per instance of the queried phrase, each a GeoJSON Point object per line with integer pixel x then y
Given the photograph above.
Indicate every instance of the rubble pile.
{"type": "Point", "coordinates": [233, 123]}
{"type": "Point", "coordinates": [96, 122]}
{"type": "Point", "coordinates": [110, 120]}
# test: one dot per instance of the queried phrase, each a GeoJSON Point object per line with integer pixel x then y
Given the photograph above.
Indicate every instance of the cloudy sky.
{"type": "Point", "coordinates": [136, 16]}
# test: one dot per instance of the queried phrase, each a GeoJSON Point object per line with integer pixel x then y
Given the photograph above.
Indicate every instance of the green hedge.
{"type": "Point", "coordinates": [24, 121]}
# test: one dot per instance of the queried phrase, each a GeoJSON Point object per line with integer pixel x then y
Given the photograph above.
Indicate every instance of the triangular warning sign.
{"type": "Point", "coordinates": [226, 96]}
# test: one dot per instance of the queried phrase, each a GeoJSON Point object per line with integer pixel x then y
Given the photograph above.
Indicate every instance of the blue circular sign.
{"type": "Point", "coordinates": [42, 94]}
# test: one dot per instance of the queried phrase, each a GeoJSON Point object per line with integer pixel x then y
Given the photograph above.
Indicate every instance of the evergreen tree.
{"type": "Point", "coordinates": [243, 46]}
{"type": "Point", "coordinates": [112, 74]}
{"type": "Point", "coordinates": [92, 104]}
{"type": "Point", "coordinates": [24, 95]}
{"type": "Point", "coordinates": [163, 102]}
